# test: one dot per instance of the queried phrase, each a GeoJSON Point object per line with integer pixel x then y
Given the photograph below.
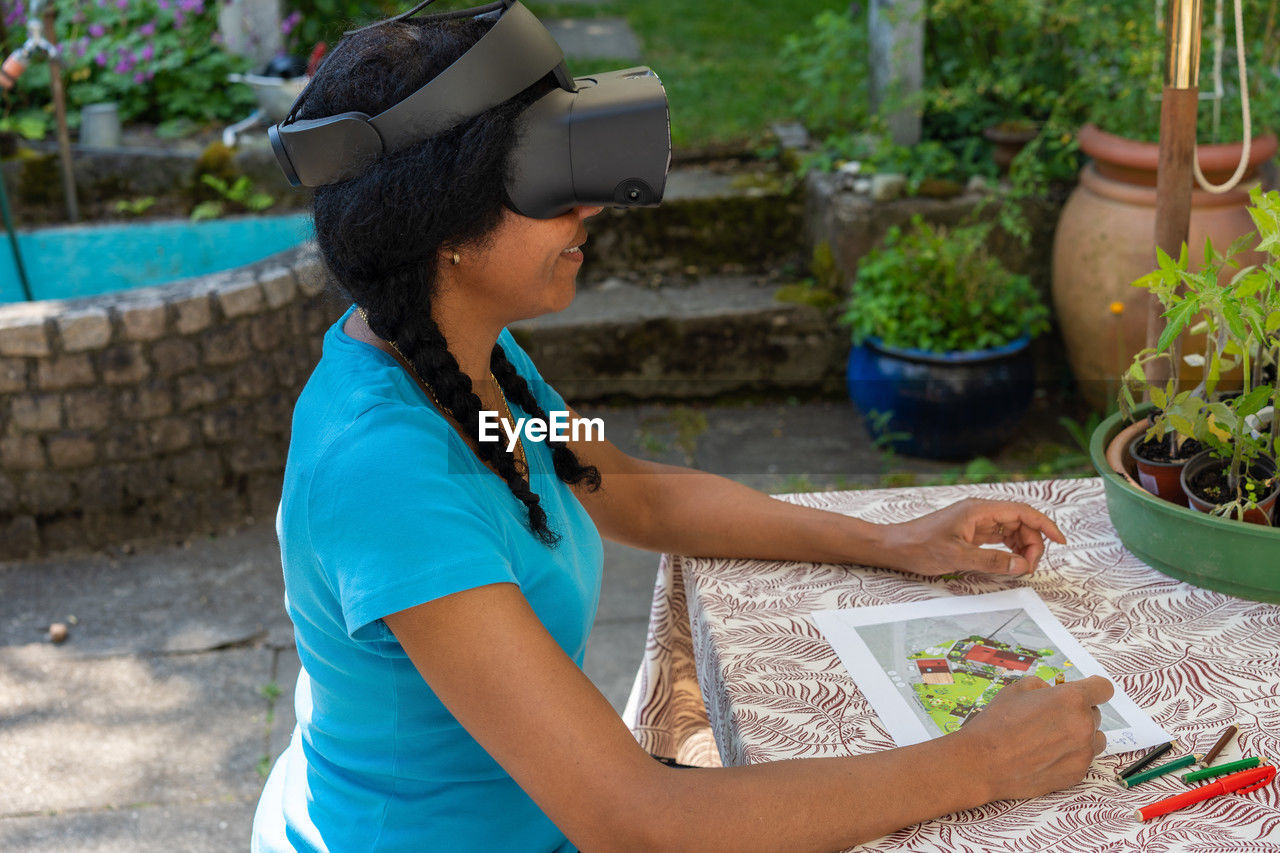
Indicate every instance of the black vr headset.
{"type": "Point", "coordinates": [599, 141]}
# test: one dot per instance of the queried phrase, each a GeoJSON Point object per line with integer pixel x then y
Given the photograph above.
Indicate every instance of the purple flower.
{"type": "Point", "coordinates": [81, 48]}
{"type": "Point", "coordinates": [122, 67]}
{"type": "Point", "coordinates": [147, 30]}
{"type": "Point", "coordinates": [148, 53]}
{"type": "Point", "coordinates": [179, 19]}
{"type": "Point", "coordinates": [102, 59]}
{"type": "Point", "coordinates": [78, 17]}
{"type": "Point", "coordinates": [122, 4]}
{"type": "Point", "coordinates": [139, 77]}
{"type": "Point", "coordinates": [163, 4]}
{"type": "Point", "coordinates": [97, 30]}
{"type": "Point", "coordinates": [287, 25]}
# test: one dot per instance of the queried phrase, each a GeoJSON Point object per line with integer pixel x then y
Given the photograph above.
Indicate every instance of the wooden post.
{"type": "Point", "coordinates": [60, 114]}
{"type": "Point", "coordinates": [1174, 179]}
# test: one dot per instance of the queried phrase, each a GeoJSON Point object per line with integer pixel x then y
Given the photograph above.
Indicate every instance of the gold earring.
{"type": "Point", "coordinates": [456, 259]}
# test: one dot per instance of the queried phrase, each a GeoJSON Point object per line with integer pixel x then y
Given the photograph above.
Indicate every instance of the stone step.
{"type": "Point", "coordinates": [720, 335]}
{"type": "Point", "coordinates": [729, 217]}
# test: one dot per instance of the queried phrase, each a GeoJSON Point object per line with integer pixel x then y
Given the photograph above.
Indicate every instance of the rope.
{"type": "Point", "coordinates": [1244, 109]}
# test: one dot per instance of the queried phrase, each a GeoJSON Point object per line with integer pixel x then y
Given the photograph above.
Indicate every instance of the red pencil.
{"type": "Point", "coordinates": [1245, 780]}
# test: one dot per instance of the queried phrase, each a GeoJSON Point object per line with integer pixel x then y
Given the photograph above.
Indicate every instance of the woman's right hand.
{"type": "Point", "coordinates": [1033, 738]}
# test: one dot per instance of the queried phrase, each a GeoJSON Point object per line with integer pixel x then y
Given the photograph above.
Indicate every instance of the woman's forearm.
{"type": "Point", "coordinates": [821, 804]}
{"type": "Point", "coordinates": [699, 514]}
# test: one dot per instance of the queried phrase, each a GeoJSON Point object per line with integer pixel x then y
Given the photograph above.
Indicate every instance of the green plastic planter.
{"type": "Point", "coordinates": [1215, 553]}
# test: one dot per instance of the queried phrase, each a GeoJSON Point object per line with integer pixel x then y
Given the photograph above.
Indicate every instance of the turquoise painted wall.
{"type": "Point", "coordinates": [85, 260]}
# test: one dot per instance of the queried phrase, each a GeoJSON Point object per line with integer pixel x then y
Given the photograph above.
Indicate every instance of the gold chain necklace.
{"type": "Point", "coordinates": [522, 461]}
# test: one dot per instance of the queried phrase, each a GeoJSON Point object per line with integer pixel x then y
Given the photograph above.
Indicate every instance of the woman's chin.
{"type": "Point", "coordinates": [563, 299]}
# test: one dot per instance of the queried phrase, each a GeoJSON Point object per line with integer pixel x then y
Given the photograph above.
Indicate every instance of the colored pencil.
{"type": "Point", "coordinates": [1145, 760]}
{"type": "Point", "coordinates": [1154, 772]}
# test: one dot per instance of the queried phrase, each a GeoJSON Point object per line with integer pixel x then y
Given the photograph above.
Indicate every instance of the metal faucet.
{"type": "Point", "coordinates": [38, 45]}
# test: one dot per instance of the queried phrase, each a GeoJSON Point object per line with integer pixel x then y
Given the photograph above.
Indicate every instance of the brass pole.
{"type": "Point", "coordinates": [60, 114]}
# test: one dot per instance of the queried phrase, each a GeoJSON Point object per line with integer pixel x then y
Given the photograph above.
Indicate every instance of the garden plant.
{"type": "Point", "coordinates": [160, 61]}
{"type": "Point", "coordinates": [939, 289]}
{"type": "Point", "coordinates": [1239, 317]}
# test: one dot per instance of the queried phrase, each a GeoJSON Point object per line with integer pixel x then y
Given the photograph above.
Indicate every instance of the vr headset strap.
{"type": "Point", "coordinates": [513, 55]}
{"type": "Point", "coordinates": [516, 53]}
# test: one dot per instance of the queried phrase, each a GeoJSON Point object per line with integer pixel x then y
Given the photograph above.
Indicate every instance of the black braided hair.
{"type": "Point", "coordinates": [516, 389]}
{"type": "Point", "coordinates": [381, 232]}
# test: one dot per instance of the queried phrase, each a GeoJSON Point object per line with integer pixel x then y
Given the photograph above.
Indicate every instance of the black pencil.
{"type": "Point", "coordinates": [1145, 760]}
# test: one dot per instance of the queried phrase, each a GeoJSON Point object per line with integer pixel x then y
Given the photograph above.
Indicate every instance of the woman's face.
{"type": "Point", "coordinates": [528, 266]}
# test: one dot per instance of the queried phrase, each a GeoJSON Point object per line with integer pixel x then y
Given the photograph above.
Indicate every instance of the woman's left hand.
{"type": "Point", "coordinates": [949, 540]}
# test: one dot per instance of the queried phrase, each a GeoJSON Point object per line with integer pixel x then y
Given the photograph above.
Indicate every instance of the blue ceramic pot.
{"type": "Point", "coordinates": [942, 405]}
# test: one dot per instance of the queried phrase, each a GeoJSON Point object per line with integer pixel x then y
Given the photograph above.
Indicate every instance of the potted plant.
{"type": "Point", "coordinates": [1238, 315]}
{"type": "Point", "coordinates": [1240, 321]}
{"type": "Point", "coordinates": [940, 365]}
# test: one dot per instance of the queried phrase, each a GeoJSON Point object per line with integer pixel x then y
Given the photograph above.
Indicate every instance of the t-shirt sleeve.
{"type": "Point", "coordinates": [393, 526]}
{"type": "Point", "coordinates": [542, 391]}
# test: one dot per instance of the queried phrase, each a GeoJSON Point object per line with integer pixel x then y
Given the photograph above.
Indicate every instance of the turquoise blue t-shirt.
{"type": "Point", "coordinates": [385, 507]}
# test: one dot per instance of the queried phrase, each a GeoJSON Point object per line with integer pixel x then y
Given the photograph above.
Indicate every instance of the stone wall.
{"type": "Point", "coordinates": [166, 409]}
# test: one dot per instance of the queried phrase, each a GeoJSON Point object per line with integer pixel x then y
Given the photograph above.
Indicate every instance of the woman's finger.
{"type": "Point", "coordinates": [1030, 544]}
{"type": "Point", "coordinates": [1011, 514]}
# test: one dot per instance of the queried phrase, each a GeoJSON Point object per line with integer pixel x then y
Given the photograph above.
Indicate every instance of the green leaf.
{"type": "Point", "coordinates": [1181, 424]}
{"type": "Point", "coordinates": [1273, 321]}
{"type": "Point", "coordinates": [1248, 282]}
{"type": "Point", "coordinates": [1178, 316]}
{"type": "Point", "coordinates": [1231, 313]}
{"type": "Point", "coordinates": [206, 210]}
{"type": "Point", "coordinates": [1252, 403]}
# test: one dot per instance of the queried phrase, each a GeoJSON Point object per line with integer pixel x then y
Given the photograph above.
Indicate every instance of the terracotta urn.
{"type": "Point", "coordinates": [1106, 239]}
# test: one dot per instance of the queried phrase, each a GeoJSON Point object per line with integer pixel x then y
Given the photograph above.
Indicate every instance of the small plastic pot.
{"type": "Point", "coordinates": [1162, 479]}
{"type": "Point", "coordinates": [1265, 510]}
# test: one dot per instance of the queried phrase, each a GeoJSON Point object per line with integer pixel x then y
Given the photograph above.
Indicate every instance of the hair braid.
{"type": "Point", "coordinates": [568, 467]}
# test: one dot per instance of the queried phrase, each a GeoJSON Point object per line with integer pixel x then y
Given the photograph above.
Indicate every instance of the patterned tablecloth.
{"type": "Point", "coordinates": [736, 672]}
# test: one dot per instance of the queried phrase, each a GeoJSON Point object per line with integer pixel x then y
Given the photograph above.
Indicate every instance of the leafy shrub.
{"type": "Point", "coordinates": [829, 60]}
{"type": "Point", "coordinates": [940, 290]}
{"type": "Point", "coordinates": [159, 60]}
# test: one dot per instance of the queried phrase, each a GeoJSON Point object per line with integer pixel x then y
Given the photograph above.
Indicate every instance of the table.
{"type": "Point", "coordinates": [735, 672]}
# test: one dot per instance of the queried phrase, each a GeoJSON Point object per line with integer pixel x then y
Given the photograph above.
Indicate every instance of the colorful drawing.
{"type": "Point", "coordinates": [960, 677]}
{"type": "Point", "coordinates": [929, 667]}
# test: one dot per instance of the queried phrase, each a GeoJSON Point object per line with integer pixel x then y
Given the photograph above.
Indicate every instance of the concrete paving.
{"type": "Point", "coordinates": [149, 729]}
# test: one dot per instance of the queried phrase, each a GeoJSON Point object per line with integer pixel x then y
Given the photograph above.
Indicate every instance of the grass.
{"type": "Point", "coordinates": [717, 60]}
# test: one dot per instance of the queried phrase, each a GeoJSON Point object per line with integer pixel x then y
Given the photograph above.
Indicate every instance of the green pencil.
{"type": "Point", "coordinates": [1167, 767]}
{"type": "Point", "coordinates": [1223, 769]}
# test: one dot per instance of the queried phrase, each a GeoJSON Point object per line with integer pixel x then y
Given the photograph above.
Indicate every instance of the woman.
{"type": "Point", "coordinates": [442, 587]}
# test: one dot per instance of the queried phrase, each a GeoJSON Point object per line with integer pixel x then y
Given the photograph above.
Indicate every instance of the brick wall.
{"type": "Point", "coordinates": [154, 411]}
